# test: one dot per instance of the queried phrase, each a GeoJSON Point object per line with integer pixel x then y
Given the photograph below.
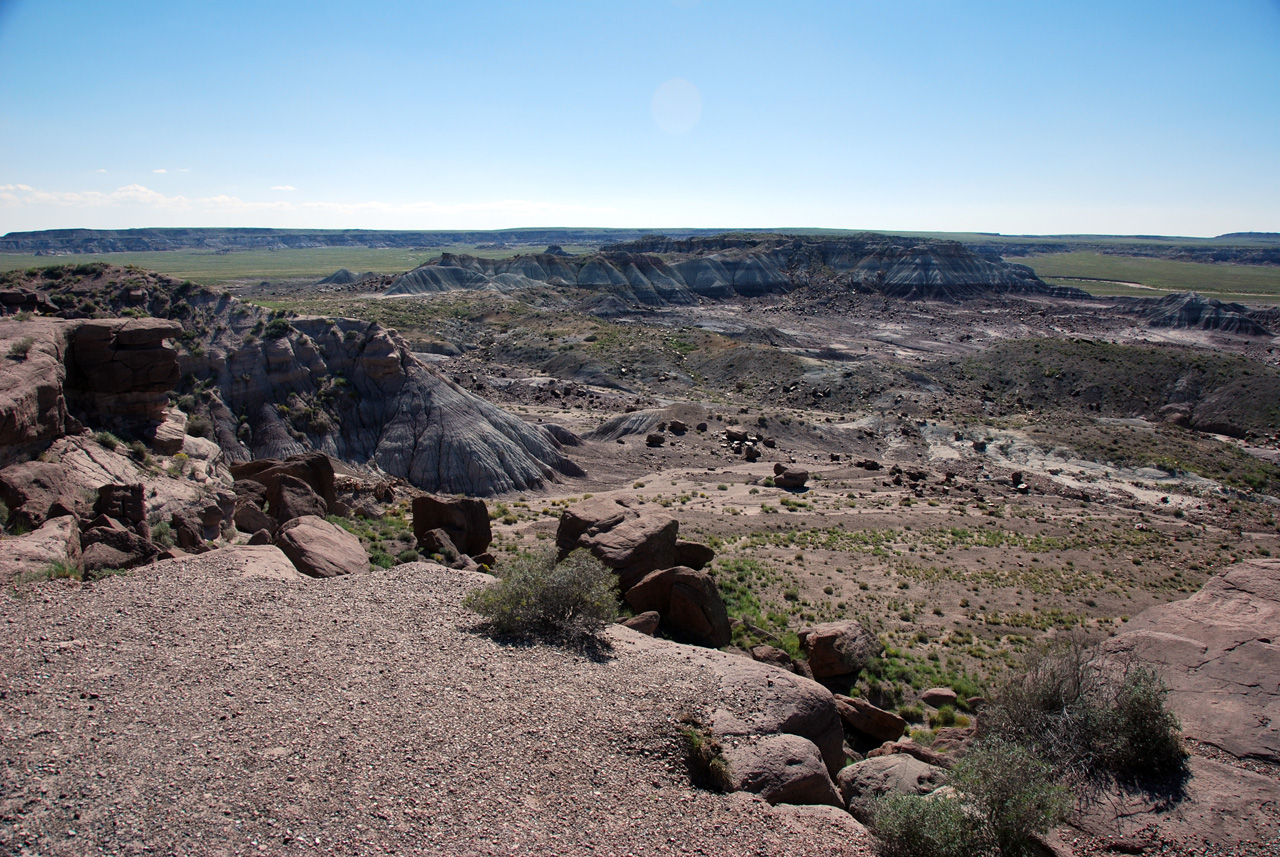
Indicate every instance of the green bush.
{"type": "Point", "coordinates": [4, 514]}
{"type": "Point", "coordinates": [1013, 794]}
{"type": "Point", "coordinates": [277, 328]}
{"type": "Point", "coordinates": [1091, 719]}
{"type": "Point", "coordinates": [107, 440]}
{"type": "Point", "coordinates": [162, 534]}
{"type": "Point", "coordinates": [536, 596]}
{"type": "Point", "coordinates": [200, 427]}
{"type": "Point", "coordinates": [1004, 799]}
{"type": "Point", "coordinates": [19, 349]}
{"type": "Point", "coordinates": [914, 826]}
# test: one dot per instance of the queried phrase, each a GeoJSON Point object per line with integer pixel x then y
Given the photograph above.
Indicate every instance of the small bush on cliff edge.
{"type": "Point", "coordinates": [572, 600]}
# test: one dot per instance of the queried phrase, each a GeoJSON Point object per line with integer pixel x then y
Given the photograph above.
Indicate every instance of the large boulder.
{"type": "Point", "coordinates": [465, 521]}
{"type": "Point", "coordinates": [120, 372]}
{"type": "Point", "coordinates": [289, 497]}
{"type": "Point", "coordinates": [111, 545]}
{"type": "Point", "coordinates": [838, 649]}
{"type": "Point", "coordinates": [758, 699]}
{"type": "Point", "coordinates": [863, 783]}
{"type": "Point", "coordinates": [318, 548]}
{"type": "Point", "coordinates": [126, 504]}
{"type": "Point", "coordinates": [689, 603]}
{"type": "Point", "coordinates": [261, 561]}
{"type": "Point", "coordinates": [789, 478]}
{"type": "Point", "coordinates": [313, 468]}
{"type": "Point", "coordinates": [876, 723]}
{"type": "Point", "coordinates": [56, 541]}
{"type": "Point", "coordinates": [636, 547]}
{"type": "Point", "coordinates": [589, 517]}
{"type": "Point", "coordinates": [1217, 651]}
{"type": "Point", "coordinates": [781, 769]}
{"type": "Point", "coordinates": [693, 554]}
{"type": "Point", "coordinates": [36, 491]}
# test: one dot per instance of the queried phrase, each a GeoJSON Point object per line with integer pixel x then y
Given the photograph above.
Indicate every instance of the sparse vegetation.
{"type": "Point", "coordinates": [1004, 798]}
{"type": "Point", "coordinates": [572, 600]}
{"type": "Point", "coordinates": [19, 349]}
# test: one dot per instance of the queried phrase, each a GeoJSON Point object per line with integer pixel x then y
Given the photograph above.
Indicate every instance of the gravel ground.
{"type": "Point", "coordinates": [182, 710]}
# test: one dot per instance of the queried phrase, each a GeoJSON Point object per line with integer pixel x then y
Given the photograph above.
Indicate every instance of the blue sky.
{"type": "Point", "coordinates": [1108, 117]}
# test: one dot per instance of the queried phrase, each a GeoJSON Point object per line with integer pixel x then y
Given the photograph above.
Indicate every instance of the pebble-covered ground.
{"type": "Point", "coordinates": [180, 710]}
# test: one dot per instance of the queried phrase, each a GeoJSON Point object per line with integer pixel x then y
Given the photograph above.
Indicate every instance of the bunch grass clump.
{"type": "Point", "coordinates": [534, 596]}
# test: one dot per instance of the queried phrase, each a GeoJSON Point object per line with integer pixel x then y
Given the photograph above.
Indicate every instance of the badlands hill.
{"type": "Point", "coordinates": [662, 271]}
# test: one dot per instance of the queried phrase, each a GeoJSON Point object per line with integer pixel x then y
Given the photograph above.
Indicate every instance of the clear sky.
{"type": "Point", "coordinates": [1125, 116]}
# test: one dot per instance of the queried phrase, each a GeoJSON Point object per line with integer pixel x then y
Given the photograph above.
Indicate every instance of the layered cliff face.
{"type": "Point", "coordinates": [57, 374]}
{"type": "Point", "coordinates": [259, 385]}
{"type": "Point", "coordinates": [1190, 311]}
{"type": "Point", "coordinates": [353, 390]}
{"type": "Point", "coordinates": [661, 272]}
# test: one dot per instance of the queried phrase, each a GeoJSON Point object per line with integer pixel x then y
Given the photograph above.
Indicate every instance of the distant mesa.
{"type": "Point", "coordinates": [661, 271]}
{"type": "Point", "coordinates": [1191, 311]}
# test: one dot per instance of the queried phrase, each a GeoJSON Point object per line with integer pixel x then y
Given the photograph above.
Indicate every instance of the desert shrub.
{"type": "Point", "coordinates": [1013, 794]}
{"type": "Point", "coordinates": [944, 716]}
{"type": "Point", "coordinates": [106, 440]}
{"type": "Point", "coordinates": [4, 514]}
{"type": "Point", "coordinates": [1004, 799]}
{"type": "Point", "coordinates": [19, 349]}
{"type": "Point", "coordinates": [277, 328]}
{"type": "Point", "coordinates": [408, 555]}
{"type": "Point", "coordinates": [1091, 719]}
{"type": "Point", "coordinates": [915, 826]}
{"type": "Point", "coordinates": [162, 534]}
{"type": "Point", "coordinates": [200, 427]}
{"type": "Point", "coordinates": [138, 451]}
{"type": "Point", "coordinates": [536, 596]}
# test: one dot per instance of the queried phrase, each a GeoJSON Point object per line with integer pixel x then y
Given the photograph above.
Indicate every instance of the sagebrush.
{"type": "Point", "coordinates": [536, 596]}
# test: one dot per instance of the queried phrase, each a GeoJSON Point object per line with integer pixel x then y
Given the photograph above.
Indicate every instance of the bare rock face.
{"type": "Point", "coordinates": [290, 497]}
{"type": "Point", "coordinates": [839, 648]}
{"type": "Point", "coordinates": [120, 373]}
{"type": "Point", "coordinates": [33, 408]}
{"type": "Point", "coordinates": [1217, 651]}
{"type": "Point", "coordinates": [636, 547]}
{"type": "Point", "coordinates": [56, 541]}
{"type": "Point", "coordinates": [875, 723]}
{"type": "Point", "coordinates": [313, 468]}
{"type": "Point", "coordinates": [773, 656]}
{"type": "Point", "coordinates": [863, 783]}
{"type": "Point", "coordinates": [759, 699]}
{"type": "Point", "coordinates": [689, 603]}
{"type": "Point", "coordinates": [781, 769]}
{"type": "Point", "coordinates": [36, 491]}
{"type": "Point", "coordinates": [114, 546]}
{"type": "Point", "coordinates": [465, 521]}
{"type": "Point", "coordinates": [374, 403]}
{"type": "Point", "coordinates": [588, 518]}
{"type": "Point", "coordinates": [318, 548]}
{"type": "Point", "coordinates": [125, 503]}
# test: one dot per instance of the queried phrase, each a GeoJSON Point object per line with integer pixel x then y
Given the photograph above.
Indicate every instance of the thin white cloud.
{"type": "Point", "coordinates": [134, 195]}
{"type": "Point", "coordinates": [284, 187]}
{"type": "Point", "coordinates": [102, 171]}
{"type": "Point", "coordinates": [159, 171]}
